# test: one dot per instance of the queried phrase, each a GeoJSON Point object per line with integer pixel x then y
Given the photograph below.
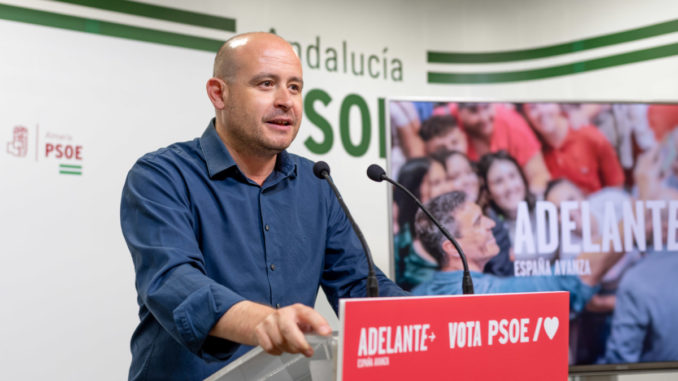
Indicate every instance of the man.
{"type": "Point", "coordinates": [643, 326]}
{"type": "Point", "coordinates": [441, 134]}
{"type": "Point", "coordinates": [231, 236]}
{"type": "Point", "coordinates": [473, 230]}
{"type": "Point", "coordinates": [590, 343]}
{"type": "Point", "coordinates": [491, 128]}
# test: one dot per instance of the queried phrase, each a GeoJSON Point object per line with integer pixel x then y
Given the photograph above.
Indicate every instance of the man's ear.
{"type": "Point", "coordinates": [217, 91]}
{"type": "Point", "coordinates": [449, 249]}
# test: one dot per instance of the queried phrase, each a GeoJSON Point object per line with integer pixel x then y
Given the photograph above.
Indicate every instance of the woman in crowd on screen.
{"type": "Point", "coordinates": [426, 179]}
{"type": "Point", "coordinates": [507, 191]}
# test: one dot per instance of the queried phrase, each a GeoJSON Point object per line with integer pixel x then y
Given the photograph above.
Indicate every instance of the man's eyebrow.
{"type": "Point", "coordinates": [262, 76]}
{"type": "Point", "coordinates": [297, 79]}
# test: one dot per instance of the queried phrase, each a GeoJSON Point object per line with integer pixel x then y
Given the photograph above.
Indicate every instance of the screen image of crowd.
{"type": "Point", "coordinates": [578, 197]}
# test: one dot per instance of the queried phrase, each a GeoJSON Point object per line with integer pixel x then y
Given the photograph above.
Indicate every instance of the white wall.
{"type": "Point", "coordinates": [67, 280]}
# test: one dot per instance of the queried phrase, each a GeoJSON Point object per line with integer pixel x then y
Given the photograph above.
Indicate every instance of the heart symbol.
{"type": "Point", "coordinates": [551, 326]}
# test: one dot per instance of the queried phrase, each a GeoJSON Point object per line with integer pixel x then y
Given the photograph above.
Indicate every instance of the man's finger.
{"type": "Point", "coordinates": [268, 332]}
{"type": "Point", "coordinates": [309, 317]}
{"type": "Point", "coordinates": [265, 341]}
{"type": "Point", "coordinates": [294, 338]}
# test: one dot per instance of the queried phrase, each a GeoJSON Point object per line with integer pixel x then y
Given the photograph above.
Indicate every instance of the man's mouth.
{"type": "Point", "coordinates": [280, 122]}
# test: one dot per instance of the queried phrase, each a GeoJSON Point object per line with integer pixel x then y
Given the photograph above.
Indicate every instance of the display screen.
{"type": "Point", "coordinates": [547, 196]}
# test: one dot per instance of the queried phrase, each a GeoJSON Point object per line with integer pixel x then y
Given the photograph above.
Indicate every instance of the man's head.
{"type": "Point", "coordinates": [465, 221]}
{"type": "Point", "coordinates": [477, 119]}
{"type": "Point", "coordinates": [256, 93]}
{"type": "Point", "coordinates": [441, 133]}
{"type": "Point", "coordinates": [546, 119]}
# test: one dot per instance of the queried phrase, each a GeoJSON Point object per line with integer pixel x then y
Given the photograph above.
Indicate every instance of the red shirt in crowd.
{"type": "Point", "coordinates": [587, 159]}
{"type": "Point", "coordinates": [512, 134]}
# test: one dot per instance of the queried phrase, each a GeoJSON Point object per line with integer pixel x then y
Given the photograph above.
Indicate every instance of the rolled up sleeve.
{"type": "Point", "coordinates": [171, 280]}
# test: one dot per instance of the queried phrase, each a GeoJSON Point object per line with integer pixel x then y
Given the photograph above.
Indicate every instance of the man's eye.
{"type": "Point", "coordinates": [295, 87]}
{"type": "Point", "coordinates": [267, 83]}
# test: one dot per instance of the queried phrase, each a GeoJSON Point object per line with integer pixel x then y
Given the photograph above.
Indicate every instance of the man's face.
{"type": "Point", "coordinates": [263, 103]}
{"type": "Point", "coordinates": [475, 230]}
{"type": "Point", "coordinates": [453, 140]}
{"type": "Point", "coordinates": [477, 119]}
{"type": "Point", "coordinates": [543, 117]}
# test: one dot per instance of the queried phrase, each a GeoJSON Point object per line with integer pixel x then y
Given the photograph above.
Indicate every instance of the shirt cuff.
{"type": "Point", "coordinates": [196, 316]}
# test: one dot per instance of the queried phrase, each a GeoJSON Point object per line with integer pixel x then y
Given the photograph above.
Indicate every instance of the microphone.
{"type": "Point", "coordinates": [322, 171]}
{"type": "Point", "coordinates": [377, 173]}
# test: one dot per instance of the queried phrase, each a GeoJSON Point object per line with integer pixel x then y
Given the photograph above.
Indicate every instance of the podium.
{"type": "Point", "coordinates": [522, 336]}
{"type": "Point", "coordinates": [259, 365]}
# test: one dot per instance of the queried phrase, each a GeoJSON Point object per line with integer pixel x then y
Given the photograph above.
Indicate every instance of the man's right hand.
{"type": "Point", "coordinates": [284, 329]}
{"type": "Point", "coordinates": [275, 330]}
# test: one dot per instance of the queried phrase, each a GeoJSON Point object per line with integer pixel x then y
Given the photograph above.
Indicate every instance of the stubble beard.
{"type": "Point", "coordinates": [248, 136]}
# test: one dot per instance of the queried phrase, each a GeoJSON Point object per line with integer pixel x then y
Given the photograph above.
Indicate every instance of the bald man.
{"type": "Point", "coordinates": [230, 234]}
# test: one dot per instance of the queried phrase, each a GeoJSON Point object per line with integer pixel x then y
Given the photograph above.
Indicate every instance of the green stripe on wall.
{"type": "Point", "coordinates": [70, 173]}
{"type": "Point", "coordinates": [556, 71]}
{"type": "Point", "coordinates": [158, 12]}
{"type": "Point", "coordinates": [62, 166]}
{"type": "Point", "coordinates": [106, 28]}
{"type": "Point", "coordinates": [555, 50]}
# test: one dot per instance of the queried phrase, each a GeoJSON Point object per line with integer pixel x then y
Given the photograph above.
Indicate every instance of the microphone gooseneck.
{"type": "Point", "coordinates": [322, 170]}
{"type": "Point", "coordinates": [377, 173]}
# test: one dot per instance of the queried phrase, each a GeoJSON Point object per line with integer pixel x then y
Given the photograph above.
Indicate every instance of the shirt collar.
{"type": "Point", "coordinates": [218, 158]}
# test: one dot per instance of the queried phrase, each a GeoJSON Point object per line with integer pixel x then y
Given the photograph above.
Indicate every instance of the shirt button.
{"type": "Point", "coordinates": [277, 305]}
{"type": "Point", "coordinates": [266, 227]}
{"type": "Point", "coordinates": [272, 266]}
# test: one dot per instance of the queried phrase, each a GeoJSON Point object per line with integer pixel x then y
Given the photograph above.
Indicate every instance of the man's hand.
{"type": "Point", "coordinates": [276, 331]}
{"type": "Point", "coordinates": [284, 329]}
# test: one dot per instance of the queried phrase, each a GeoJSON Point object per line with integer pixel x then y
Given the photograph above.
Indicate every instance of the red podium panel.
{"type": "Point", "coordinates": [462, 337]}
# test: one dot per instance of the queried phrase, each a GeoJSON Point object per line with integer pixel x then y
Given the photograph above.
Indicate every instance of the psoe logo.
{"type": "Point", "coordinates": [60, 147]}
{"type": "Point", "coordinates": [18, 146]}
{"type": "Point", "coordinates": [49, 147]}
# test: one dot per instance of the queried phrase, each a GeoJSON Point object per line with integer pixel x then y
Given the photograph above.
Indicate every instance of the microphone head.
{"type": "Point", "coordinates": [321, 169]}
{"type": "Point", "coordinates": [376, 173]}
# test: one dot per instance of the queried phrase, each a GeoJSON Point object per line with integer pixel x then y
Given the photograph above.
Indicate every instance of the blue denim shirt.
{"type": "Point", "coordinates": [644, 325]}
{"type": "Point", "coordinates": [204, 237]}
{"type": "Point", "coordinates": [449, 283]}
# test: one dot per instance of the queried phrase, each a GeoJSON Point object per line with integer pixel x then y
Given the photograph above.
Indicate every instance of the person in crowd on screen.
{"type": "Point", "coordinates": [583, 156]}
{"type": "Point", "coordinates": [662, 118]}
{"type": "Point", "coordinates": [405, 142]}
{"type": "Point", "coordinates": [473, 231]}
{"type": "Point", "coordinates": [493, 127]}
{"type": "Point", "coordinates": [594, 321]}
{"type": "Point", "coordinates": [441, 133]}
{"type": "Point", "coordinates": [507, 188]}
{"type": "Point", "coordinates": [644, 325]}
{"type": "Point", "coordinates": [625, 125]}
{"type": "Point", "coordinates": [462, 176]}
{"type": "Point", "coordinates": [425, 178]}
{"type": "Point", "coordinates": [665, 156]}
{"type": "Point", "coordinates": [231, 236]}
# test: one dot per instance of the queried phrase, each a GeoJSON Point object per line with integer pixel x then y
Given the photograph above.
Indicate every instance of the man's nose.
{"type": "Point", "coordinates": [283, 98]}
